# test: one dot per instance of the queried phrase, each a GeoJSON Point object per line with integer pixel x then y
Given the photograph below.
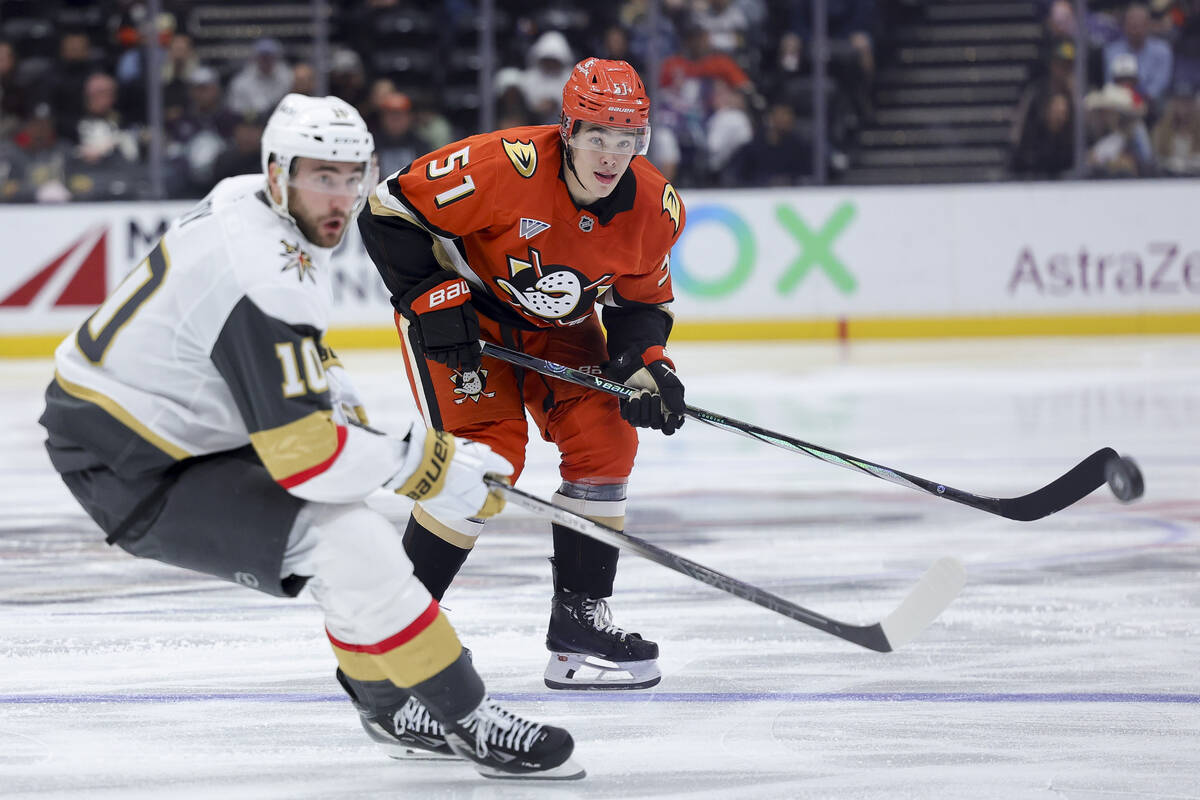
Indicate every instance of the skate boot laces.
{"type": "Point", "coordinates": [492, 726]}
{"type": "Point", "coordinates": [600, 615]}
{"type": "Point", "coordinates": [414, 716]}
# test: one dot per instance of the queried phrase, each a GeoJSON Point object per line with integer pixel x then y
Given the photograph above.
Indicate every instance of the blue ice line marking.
{"type": "Point", "coordinates": [642, 697]}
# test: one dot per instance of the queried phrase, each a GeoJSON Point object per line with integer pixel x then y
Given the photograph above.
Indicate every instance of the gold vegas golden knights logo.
{"type": "Point", "coordinates": [298, 260]}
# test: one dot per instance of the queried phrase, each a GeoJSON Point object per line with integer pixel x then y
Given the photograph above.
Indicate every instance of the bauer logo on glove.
{"type": "Point", "coordinates": [445, 475]}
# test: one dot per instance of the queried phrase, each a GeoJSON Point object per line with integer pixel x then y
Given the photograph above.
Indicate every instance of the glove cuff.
{"type": "Point", "coordinates": [623, 367]}
{"type": "Point", "coordinates": [657, 353]}
{"type": "Point", "coordinates": [426, 465]}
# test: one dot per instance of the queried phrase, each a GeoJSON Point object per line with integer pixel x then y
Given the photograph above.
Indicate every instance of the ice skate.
{"type": "Point", "coordinates": [588, 652]}
{"type": "Point", "coordinates": [503, 745]}
{"type": "Point", "coordinates": [404, 732]}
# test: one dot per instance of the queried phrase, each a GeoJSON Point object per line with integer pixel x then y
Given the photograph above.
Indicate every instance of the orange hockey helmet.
{"type": "Point", "coordinates": [609, 94]}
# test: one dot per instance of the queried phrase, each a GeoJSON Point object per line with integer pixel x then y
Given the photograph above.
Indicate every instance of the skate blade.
{"type": "Point", "coordinates": [587, 673]}
{"type": "Point", "coordinates": [566, 771]}
{"type": "Point", "coordinates": [415, 754]}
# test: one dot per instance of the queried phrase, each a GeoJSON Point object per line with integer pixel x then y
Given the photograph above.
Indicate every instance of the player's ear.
{"type": "Point", "coordinates": [273, 170]}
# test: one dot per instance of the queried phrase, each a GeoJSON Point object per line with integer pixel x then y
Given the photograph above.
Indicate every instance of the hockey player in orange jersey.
{"type": "Point", "coordinates": [515, 237]}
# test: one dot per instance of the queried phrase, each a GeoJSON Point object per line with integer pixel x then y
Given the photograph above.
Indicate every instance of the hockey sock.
{"type": "Point", "coordinates": [435, 561]}
{"type": "Point", "coordinates": [375, 696]}
{"type": "Point", "coordinates": [582, 564]}
{"type": "Point", "coordinates": [453, 693]}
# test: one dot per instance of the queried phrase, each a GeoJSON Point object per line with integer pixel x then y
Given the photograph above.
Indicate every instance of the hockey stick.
{"type": "Point", "coordinates": [939, 585]}
{"type": "Point", "coordinates": [1077, 483]}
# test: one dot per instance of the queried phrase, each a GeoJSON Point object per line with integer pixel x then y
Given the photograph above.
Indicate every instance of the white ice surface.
{"type": "Point", "coordinates": [1067, 668]}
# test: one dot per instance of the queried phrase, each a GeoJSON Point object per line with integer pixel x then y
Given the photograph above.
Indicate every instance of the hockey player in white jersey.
{"type": "Point", "coordinates": [200, 419]}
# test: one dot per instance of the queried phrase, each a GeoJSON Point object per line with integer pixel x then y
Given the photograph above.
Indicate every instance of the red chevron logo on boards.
{"type": "Point", "coordinates": [88, 286]}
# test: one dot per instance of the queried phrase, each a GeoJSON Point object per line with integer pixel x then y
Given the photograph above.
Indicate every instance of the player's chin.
{"type": "Point", "coordinates": [331, 231]}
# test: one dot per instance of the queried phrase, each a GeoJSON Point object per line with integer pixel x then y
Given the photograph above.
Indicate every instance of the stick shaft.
{"type": "Point", "coordinates": [1078, 482]}
{"type": "Point", "coordinates": [871, 637]}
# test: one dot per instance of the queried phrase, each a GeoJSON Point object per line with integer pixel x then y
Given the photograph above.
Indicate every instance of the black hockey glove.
{"type": "Point", "coordinates": [446, 323]}
{"type": "Point", "coordinates": [659, 404]}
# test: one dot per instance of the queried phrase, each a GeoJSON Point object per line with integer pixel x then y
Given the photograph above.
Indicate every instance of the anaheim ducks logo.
{"type": "Point", "coordinates": [471, 385]}
{"type": "Point", "coordinates": [298, 260]}
{"type": "Point", "coordinates": [555, 293]}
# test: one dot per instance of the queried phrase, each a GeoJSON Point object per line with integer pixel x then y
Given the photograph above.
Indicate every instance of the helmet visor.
{"type": "Point", "coordinates": [334, 183]}
{"type": "Point", "coordinates": [611, 139]}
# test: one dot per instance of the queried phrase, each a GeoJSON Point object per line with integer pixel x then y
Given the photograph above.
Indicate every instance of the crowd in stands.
{"type": "Point", "coordinates": [732, 86]}
{"type": "Point", "coordinates": [733, 97]}
{"type": "Point", "coordinates": [1140, 105]}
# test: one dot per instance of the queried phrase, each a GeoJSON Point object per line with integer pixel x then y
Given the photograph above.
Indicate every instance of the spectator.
{"type": "Point", "coordinates": [199, 136]}
{"type": "Point", "coordinates": [1187, 44]}
{"type": "Point", "coordinates": [548, 65]}
{"type": "Point", "coordinates": [304, 79]}
{"type": "Point", "coordinates": [64, 87]}
{"type": "Point", "coordinates": [1154, 58]}
{"type": "Point", "coordinates": [433, 126]}
{"type": "Point", "coordinates": [779, 155]}
{"type": "Point", "coordinates": [262, 82]}
{"type": "Point", "coordinates": [1059, 79]}
{"type": "Point", "coordinates": [850, 25]}
{"type": "Point", "coordinates": [347, 79]}
{"type": "Point", "coordinates": [14, 98]}
{"type": "Point", "coordinates": [178, 62]}
{"type": "Point", "coordinates": [181, 62]}
{"type": "Point", "coordinates": [615, 45]}
{"type": "Point", "coordinates": [244, 155]}
{"type": "Point", "coordinates": [1121, 146]}
{"type": "Point", "coordinates": [1046, 147]}
{"type": "Point", "coordinates": [726, 24]}
{"type": "Point", "coordinates": [728, 130]}
{"type": "Point", "coordinates": [644, 39]}
{"type": "Point", "coordinates": [396, 143]}
{"type": "Point", "coordinates": [688, 82]}
{"type": "Point", "coordinates": [1176, 138]}
{"type": "Point", "coordinates": [369, 110]}
{"type": "Point", "coordinates": [100, 132]}
{"type": "Point", "coordinates": [664, 150]}
{"type": "Point", "coordinates": [34, 163]}
{"type": "Point", "coordinates": [511, 109]}
{"type": "Point", "coordinates": [131, 70]}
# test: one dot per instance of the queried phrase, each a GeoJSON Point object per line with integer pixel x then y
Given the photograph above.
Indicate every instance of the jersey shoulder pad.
{"type": "Point", "coordinates": [453, 191]}
{"type": "Point", "coordinates": [658, 202]}
{"type": "Point", "coordinates": [449, 190]}
{"type": "Point", "coordinates": [531, 148]}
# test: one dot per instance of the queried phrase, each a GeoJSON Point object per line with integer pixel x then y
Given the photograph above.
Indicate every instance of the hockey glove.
{"type": "Point", "coordinates": [446, 322]}
{"type": "Point", "coordinates": [346, 400]}
{"type": "Point", "coordinates": [659, 404]}
{"type": "Point", "coordinates": [445, 475]}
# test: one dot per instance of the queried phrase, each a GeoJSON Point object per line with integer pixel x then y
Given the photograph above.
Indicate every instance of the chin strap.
{"type": "Point", "coordinates": [569, 160]}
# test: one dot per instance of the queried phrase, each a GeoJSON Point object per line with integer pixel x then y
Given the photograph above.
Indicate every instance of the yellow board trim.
{"type": "Point", "coordinates": [117, 412]}
{"type": "Point", "coordinates": [42, 345]}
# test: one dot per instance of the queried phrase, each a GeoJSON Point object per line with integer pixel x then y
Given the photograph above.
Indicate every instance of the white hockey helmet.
{"type": "Point", "coordinates": [325, 128]}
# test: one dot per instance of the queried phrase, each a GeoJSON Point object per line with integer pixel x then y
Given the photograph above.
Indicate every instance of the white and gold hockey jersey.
{"type": "Point", "coordinates": [213, 342]}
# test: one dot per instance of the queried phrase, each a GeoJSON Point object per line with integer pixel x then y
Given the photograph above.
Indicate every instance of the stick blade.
{"type": "Point", "coordinates": [937, 588]}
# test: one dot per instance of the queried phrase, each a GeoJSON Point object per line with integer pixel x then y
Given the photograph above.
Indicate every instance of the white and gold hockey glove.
{"type": "Point", "coordinates": [346, 400]}
{"type": "Point", "coordinates": [445, 475]}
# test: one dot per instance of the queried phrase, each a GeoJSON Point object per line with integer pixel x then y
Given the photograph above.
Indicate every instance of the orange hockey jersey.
{"type": "Point", "coordinates": [499, 214]}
